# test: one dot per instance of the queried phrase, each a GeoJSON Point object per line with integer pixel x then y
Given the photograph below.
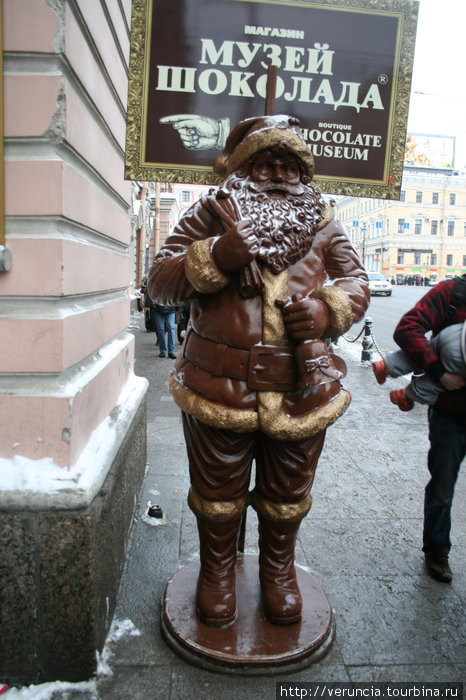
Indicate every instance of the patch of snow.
{"type": "Point", "coordinates": [59, 689]}
{"type": "Point", "coordinates": [348, 351]}
{"type": "Point", "coordinates": [41, 484]}
{"type": "Point", "coordinates": [118, 629]}
{"type": "Point", "coordinates": [103, 663]}
{"type": "Point", "coordinates": [122, 628]}
{"type": "Point", "coordinates": [153, 522]}
{"type": "Point", "coordinates": [49, 691]}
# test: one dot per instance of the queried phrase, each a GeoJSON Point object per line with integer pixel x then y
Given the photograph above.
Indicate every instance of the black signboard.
{"type": "Point", "coordinates": [198, 67]}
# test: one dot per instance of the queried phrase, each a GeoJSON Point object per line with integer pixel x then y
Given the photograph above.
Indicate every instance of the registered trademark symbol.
{"type": "Point", "coordinates": [383, 79]}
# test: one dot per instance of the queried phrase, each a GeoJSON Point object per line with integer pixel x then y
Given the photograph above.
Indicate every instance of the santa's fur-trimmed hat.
{"type": "Point", "coordinates": [258, 133]}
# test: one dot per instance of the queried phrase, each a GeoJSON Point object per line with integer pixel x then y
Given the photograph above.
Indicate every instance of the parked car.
{"type": "Point", "coordinates": [378, 284]}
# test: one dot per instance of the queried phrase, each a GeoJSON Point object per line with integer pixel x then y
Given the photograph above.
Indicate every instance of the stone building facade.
{"type": "Point", "coordinates": [72, 411]}
{"type": "Point", "coordinates": [422, 235]}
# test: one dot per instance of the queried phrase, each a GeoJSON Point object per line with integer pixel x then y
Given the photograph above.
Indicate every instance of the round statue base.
{"type": "Point", "coordinates": [251, 645]}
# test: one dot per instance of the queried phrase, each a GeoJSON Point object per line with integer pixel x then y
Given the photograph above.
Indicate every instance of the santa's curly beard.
{"type": "Point", "coordinates": [285, 217]}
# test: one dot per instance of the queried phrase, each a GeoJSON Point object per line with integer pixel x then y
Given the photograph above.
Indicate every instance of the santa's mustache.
{"type": "Point", "coordinates": [270, 186]}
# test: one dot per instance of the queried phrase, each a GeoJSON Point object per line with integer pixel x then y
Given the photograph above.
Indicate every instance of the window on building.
{"type": "Point", "coordinates": [451, 228]}
{"type": "Point", "coordinates": [433, 259]}
{"type": "Point", "coordinates": [435, 197]}
{"type": "Point", "coordinates": [464, 260]}
{"type": "Point", "coordinates": [418, 226]}
{"type": "Point", "coordinates": [417, 257]}
{"type": "Point", "coordinates": [418, 197]}
{"type": "Point", "coordinates": [452, 199]}
{"type": "Point", "coordinates": [400, 258]}
{"type": "Point", "coordinates": [434, 227]}
{"type": "Point", "coordinates": [403, 196]}
{"type": "Point", "coordinates": [449, 260]}
{"type": "Point", "coordinates": [401, 225]}
{"type": "Point", "coordinates": [464, 229]}
{"type": "Point", "coordinates": [387, 227]}
{"type": "Point", "coordinates": [185, 196]}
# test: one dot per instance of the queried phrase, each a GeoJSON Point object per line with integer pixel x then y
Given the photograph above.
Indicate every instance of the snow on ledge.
{"type": "Point", "coordinates": [28, 484]}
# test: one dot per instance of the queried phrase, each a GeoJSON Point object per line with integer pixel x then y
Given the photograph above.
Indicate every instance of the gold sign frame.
{"type": "Point", "coordinates": [396, 18]}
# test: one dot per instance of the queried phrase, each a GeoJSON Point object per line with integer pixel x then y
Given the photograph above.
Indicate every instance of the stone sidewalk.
{"type": "Point", "coordinates": [361, 540]}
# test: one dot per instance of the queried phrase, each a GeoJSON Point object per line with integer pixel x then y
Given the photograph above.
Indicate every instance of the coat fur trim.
{"type": "Point", "coordinates": [211, 413]}
{"type": "Point", "coordinates": [201, 269]}
{"type": "Point", "coordinates": [270, 416]}
{"type": "Point", "coordinates": [273, 326]}
{"type": "Point", "coordinates": [275, 423]}
{"type": "Point", "coordinates": [259, 141]}
{"type": "Point", "coordinates": [339, 306]}
{"type": "Point", "coordinates": [327, 216]}
{"type": "Point", "coordinates": [216, 510]}
{"type": "Point", "coordinates": [291, 512]}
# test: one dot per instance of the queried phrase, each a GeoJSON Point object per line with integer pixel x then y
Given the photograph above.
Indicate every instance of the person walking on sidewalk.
{"type": "Point", "coordinates": [165, 326]}
{"type": "Point", "coordinates": [149, 314]}
{"type": "Point", "coordinates": [443, 306]}
{"type": "Point", "coordinates": [270, 275]}
{"type": "Point", "coordinates": [449, 345]}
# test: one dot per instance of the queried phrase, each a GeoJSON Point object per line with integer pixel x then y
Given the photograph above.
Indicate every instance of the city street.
{"type": "Point", "coordinates": [385, 312]}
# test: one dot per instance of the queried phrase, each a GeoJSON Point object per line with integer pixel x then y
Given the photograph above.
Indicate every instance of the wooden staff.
{"type": "Point", "coordinates": [270, 90]}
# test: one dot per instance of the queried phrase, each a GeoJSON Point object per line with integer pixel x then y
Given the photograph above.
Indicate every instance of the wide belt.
{"type": "Point", "coordinates": [263, 367]}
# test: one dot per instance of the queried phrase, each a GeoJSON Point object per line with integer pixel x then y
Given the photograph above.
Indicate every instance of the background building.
{"type": "Point", "coordinates": [157, 207]}
{"type": "Point", "coordinates": [423, 235]}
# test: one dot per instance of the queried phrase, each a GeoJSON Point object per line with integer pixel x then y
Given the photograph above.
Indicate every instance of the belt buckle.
{"type": "Point", "coordinates": [268, 370]}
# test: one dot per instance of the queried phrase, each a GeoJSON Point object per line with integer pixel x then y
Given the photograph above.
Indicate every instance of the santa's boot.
{"type": "Point", "coordinates": [218, 524]}
{"type": "Point", "coordinates": [278, 527]}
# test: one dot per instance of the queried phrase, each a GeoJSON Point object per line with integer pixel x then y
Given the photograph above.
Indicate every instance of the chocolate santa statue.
{"type": "Point", "coordinates": [271, 276]}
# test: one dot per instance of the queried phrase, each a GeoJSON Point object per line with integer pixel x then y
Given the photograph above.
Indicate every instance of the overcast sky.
{"type": "Point", "coordinates": [438, 98]}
